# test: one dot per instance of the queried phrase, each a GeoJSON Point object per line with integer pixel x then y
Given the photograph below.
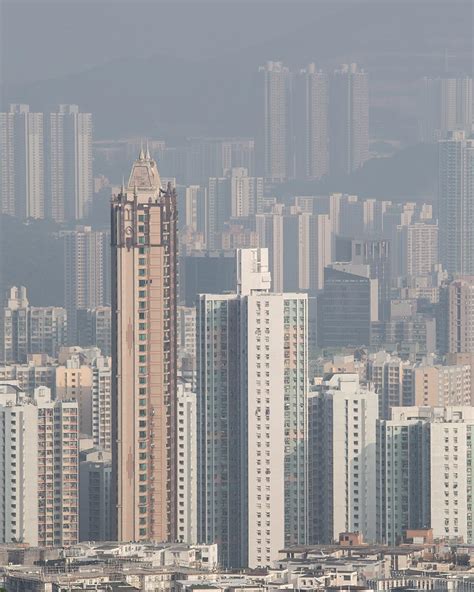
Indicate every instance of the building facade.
{"type": "Point", "coordinates": [86, 273]}
{"type": "Point", "coordinates": [186, 529]}
{"type": "Point", "coordinates": [455, 203]}
{"type": "Point", "coordinates": [348, 119]}
{"type": "Point", "coordinates": [342, 459]}
{"type": "Point", "coordinates": [22, 163]}
{"type": "Point", "coordinates": [275, 138]}
{"type": "Point", "coordinates": [144, 340]}
{"type": "Point", "coordinates": [69, 164]}
{"type": "Point", "coordinates": [251, 385]}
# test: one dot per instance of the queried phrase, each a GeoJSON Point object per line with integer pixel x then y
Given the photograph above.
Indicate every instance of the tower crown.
{"type": "Point", "coordinates": [144, 178]}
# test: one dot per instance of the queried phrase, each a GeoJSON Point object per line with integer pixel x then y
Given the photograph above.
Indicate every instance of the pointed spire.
{"type": "Point", "coordinates": [141, 156]}
{"type": "Point", "coordinates": [122, 191]}
{"type": "Point", "coordinates": [147, 155]}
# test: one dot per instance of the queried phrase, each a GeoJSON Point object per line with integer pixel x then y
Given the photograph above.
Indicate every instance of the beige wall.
{"type": "Point", "coordinates": [75, 384]}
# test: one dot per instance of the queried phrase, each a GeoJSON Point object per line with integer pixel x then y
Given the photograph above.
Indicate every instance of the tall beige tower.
{"type": "Point", "coordinates": [144, 283]}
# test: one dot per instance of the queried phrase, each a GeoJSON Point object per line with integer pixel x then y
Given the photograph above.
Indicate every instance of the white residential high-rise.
{"type": "Point", "coordinates": [47, 330]}
{"type": "Point", "coordinates": [39, 468]}
{"type": "Point", "coordinates": [14, 326]}
{"type": "Point", "coordinates": [274, 143]}
{"type": "Point", "coordinates": [58, 456]}
{"type": "Point", "coordinates": [187, 331]}
{"type": "Point", "coordinates": [456, 203]}
{"type": "Point", "coordinates": [29, 376]}
{"type": "Point", "coordinates": [446, 104]}
{"type": "Point", "coordinates": [457, 302]}
{"type": "Point", "coordinates": [270, 230]}
{"type": "Point", "coordinates": [94, 328]}
{"type": "Point", "coordinates": [342, 419]}
{"type": "Point", "coordinates": [69, 164]}
{"type": "Point", "coordinates": [315, 250]}
{"type": "Point", "coordinates": [186, 503]}
{"type": "Point", "coordinates": [22, 163]}
{"type": "Point", "coordinates": [102, 403]}
{"type": "Point", "coordinates": [246, 193]}
{"type": "Point", "coordinates": [218, 208]}
{"type": "Point", "coordinates": [195, 214]}
{"type": "Point", "coordinates": [252, 388]}
{"type": "Point", "coordinates": [417, 250]}
{"type": "Point", "coordinates": [18, 468]}
{"type": "Point", "coordinates": [86, 273]}
{"type": "Point", "coordinates": [391, 378]}
{"type": "Point", "coordinates": [349, 119]}
{"type": "Point", "coordinates": [403, 474]}
{"type": "Point", "coordinates": [311, 103]}
{"type": "Point", "coordinates": [452, 437]}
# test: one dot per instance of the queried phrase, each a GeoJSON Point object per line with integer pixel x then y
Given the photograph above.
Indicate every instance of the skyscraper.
{"type": "Point", "coordinates": [348, 119]}
{"type": "Point", "coordinates": [58, 455]}
{"type": "Point", "coordinates": [39, 470]}
{"type": "Point", "coordinates": [47, 329]}
{"type": "Point", "coordinates": [456, 203]}
{"type": "Point", "coordinates": [218, 208]}
{"type": "Point", "coordinates": [94, 328]}
{"type": "Point", "coordinates": [342, 460]}
{"type": "Point", "coordinates": [416, 251]}
{"type": "Point", "coordinates": [391, 378]}
{"type": "Point", "coordinates": [18, 468]}
{"type": "Point", "coordinates": [74, 383]}
{"type": "Point", "coordinates": [457, 316]}
{"type": "Point", "coordinates": [95, 472]}
{"type": "Point", "coordinates": [86, 273]}
{"type": "Point", "coordinates": [144, 284]}
{"type": "Point", "coordinates": [14, 326]}
{"type": "Point", "coordinates": [69, 163]}
{"type": "Point", "coordinates": [311, 102]}
{"type": "Point", "coordinates": [195, 213]}
{"type": "Point", "coordinates": [246, 193]}
{"type": "Point", "coordinates": [22, 163]}
{"type": "Point", "coordinates": [275, 136]}
{"type": "Point", "coordinates": [186, 494]}
{"type": "Point", "coordinates": [102, 403]}
{"type": "Point", "coordinates": [446, 104]}
{"type": "Point", "coordinates": [347, 306]}
{"type": "Point", "coordinates": [403, 475]}
{"type": "Point", "coordinates": [252, 388]}
{"type": "Point", "coordinates": [314, 251]}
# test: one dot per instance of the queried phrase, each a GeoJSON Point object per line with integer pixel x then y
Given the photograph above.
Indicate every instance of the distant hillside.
{"type": "Point", "coordinates": [170, 95]}
{"type": "Point", "coordinates": [409, 174]}
{"type": "Point", "coordinates": [31, 256]}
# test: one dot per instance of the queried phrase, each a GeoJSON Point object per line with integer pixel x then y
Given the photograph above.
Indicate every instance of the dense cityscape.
{"type": "Point", "coordinates": [219, 374]}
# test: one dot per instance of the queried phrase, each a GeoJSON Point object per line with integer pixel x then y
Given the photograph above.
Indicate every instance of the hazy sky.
{"type": "Point", "coordinates": [43, 39]}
